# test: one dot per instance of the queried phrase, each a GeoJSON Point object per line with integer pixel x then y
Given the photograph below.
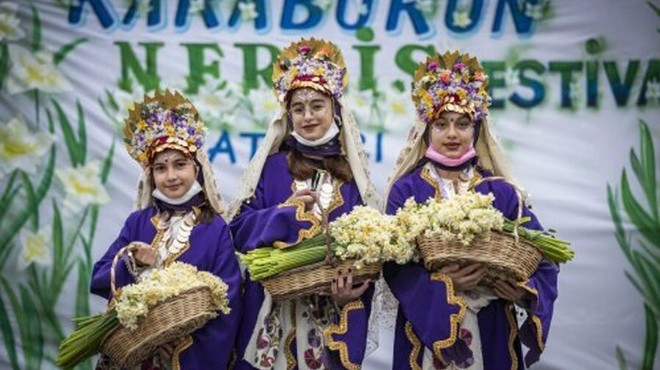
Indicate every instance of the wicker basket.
{"type": "Point", "coordinates": [168, 320]}
{"type": "Point", "coordinates": [502, 256]}
{"type": "Point", "coordinates": [315, 279]}
{"type": "Point", "coordinates": [505, 255]}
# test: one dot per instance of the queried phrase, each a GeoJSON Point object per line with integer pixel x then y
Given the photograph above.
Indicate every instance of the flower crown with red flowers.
{"type": "Point", "coordinates": [165, 121]}
{"type": "Point", "coordinates": [450, 82]}
{"type": "Point", "coordinates": [317, 64]}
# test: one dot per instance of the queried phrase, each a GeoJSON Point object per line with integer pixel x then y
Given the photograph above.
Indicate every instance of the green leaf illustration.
{"type": "Point", "coordinates": [32, 204]}
{"type": "Point", "coordinates": [36, 29]}
{"type": "Point", "coordinates": [8, 335]}
{"type": "Point", "coordinates": [74, 145]}
{"type": "Point", "coordinates": [8, 194]}
{"type": "Point", "coordinates": [33, 343]}
{"type": "Point", "coordinates": [4, 63]}
{"type": "Point", "coordinates": [61, 54]}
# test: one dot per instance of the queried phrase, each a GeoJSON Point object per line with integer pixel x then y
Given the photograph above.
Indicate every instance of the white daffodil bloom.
{"type": "Point", "coordinates": [361, 104]}
{"type": "Point", "coordinates": [425, 6]}
{"type": "Point", "coordinates": [125, 101]}
{"type": "Point", "coordinates": [323, 4]}
{"type": "Point", "coordinates": [512, 78]}
{"type": "Point", "coordinates": [9, 23]}
{"type": "Point", "coordinates": [534, 11]}
{"type": "Point", "coordinates": [20, 148]}
{"type": "Point", "coordinates": [461, 18]}
{"type": "Point", "coordinates": [653, 90]}
{"type": "Point", "coordinates": [264, 106]}
{"type": "Point", "coordinates": [218, 107]}
{"type": "Point", "coordinates": [248, 11]}
{"type": "Point", "coordinates": [36, 248]}
{"type": "Point", "coordinates": [83, 186]}
{"type": "Point", "coordinates": [34, 71]}
{"type": "Point", "coordinates": [398, 110]}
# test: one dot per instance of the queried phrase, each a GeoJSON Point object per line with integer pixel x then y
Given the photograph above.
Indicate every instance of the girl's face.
{"type": "Point", "coordinates": [311, 113]}
{"type": "Point", "coordinates": [173, 172]}
{"type": "Point", "coordinates": [452, 134]}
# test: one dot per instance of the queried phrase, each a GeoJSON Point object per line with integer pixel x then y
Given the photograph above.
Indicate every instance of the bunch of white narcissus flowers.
{"type": "Point", "coordinates": [173, 280]}
{"type": "Point", "coordinates": [364, 235]}
{"type": "Point", "coordinates": [463, 217]}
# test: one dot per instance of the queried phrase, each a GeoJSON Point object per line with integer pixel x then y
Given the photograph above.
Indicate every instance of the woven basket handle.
{"type": "Point", "coordinates": [127, 249]}
{"type": "Point", "coordinates": [518, 195]}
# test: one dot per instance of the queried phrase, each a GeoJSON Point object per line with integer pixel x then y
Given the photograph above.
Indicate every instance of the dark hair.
{"type": "Point", "coordinates": [302, 167]}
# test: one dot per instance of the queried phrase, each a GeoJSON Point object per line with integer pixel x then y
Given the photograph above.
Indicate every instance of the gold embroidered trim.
{"type": "Point", "coordinates": [337, 199]}
{"type": "Point", "coordinates": [290, 358]}
{"type": "Point", "coordinates": [476, 177]}
{"type": "Point", "coordinates": [534, 318]}
{"type": "Point", "coordinates": [342, 328]}
{"type": "Point", "coordinates": [513, 326]}
{"type": "Point", "coordinates": [417, 346]}
{"type": "Point", "coordinates": [155, 220]}
{"type": "Point", "coordinates": [425, 174]}
{"type": "Point", "coordinates": [301, 215]}
{"type": "Point", "coordinates": [455, 319]}
{"type": "Point", "coordinates": [182, 346]}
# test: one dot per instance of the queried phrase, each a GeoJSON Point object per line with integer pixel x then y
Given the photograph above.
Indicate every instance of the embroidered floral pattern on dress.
{"type": "Point", "coordinates": [268, 341]}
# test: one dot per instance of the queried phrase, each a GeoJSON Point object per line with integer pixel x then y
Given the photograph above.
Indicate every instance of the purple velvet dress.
{"type": "Point", "coordinates": [428, 312]}
{"type": "Point", "coordinates": [210, 249]}
{"type": "Point", "coordinates": [266, 220]}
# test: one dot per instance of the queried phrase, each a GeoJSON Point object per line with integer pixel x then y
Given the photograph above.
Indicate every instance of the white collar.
{"type": "Point", "coordinates": [329, 135]}
{"type": "Point", "coordinates": [194, 190]}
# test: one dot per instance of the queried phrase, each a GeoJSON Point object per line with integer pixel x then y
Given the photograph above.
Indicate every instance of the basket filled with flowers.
{"type": "Point", "coordinates": [467, 229]}
{"type": "Point", "coordinates": [167, 304]}
{"type": "Point", "coordinates": [361, 241]}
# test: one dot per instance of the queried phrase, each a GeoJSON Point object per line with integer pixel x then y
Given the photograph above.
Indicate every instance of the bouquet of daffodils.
{"type": "Point", "coordinates": [133, 304]}
{"type": "Point", "coordinates": [364, 236]}
{"type": "Point", "coordinates": [467, 216]}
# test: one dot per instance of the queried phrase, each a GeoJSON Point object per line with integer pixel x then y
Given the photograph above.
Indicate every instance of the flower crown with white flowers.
{"type": "Point", "coordinates": [450, 82]}
{"type": "Point", "coordinates": [317, 64]}
{"type": "Point", "coordinates": [165, 121]}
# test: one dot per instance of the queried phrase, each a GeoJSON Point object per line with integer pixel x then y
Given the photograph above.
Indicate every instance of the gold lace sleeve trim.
{"type": "Point", "coordinates": [182, 346]}
{"type": "Point", "coordinates": [417, 346]}
{"type": "Point", "coordinates": [535, 319]}
{"type": "Point", "coordinates": [301, 215]}
{"type": "Point", "coordinates": [426, 175]}
{"type": "Point", "coordinates": [513, 332]}
{"type": "Point", "coordinates": [455, 319]}
{"type": "Point", "coordinates": [342, 328]}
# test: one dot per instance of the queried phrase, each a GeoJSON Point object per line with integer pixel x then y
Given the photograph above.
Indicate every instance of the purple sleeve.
{"type": "Point", "coordinates": [280, 225]}
{"type": "Point", "coordinates": [100, 284]}
{"type": "Point", "coordinates": [214, 342]}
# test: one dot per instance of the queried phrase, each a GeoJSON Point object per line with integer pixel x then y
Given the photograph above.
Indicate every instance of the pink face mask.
{"type": "Point", "coordinates": [450, 162]}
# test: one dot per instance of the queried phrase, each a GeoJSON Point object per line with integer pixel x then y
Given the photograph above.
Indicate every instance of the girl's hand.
{"type": "Point", "coordinates": [307, 196]}
{"type": "Point", "coordinates": [509, 290]}
{"type": "Point", "coordinates": [342, 288]}
{"type": "Point", "coordinates": [466, 278]}
{"type": "Point", "coordinates": [144, 255]}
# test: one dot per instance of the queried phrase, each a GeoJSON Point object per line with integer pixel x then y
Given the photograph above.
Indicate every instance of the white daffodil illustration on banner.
{"type": "Point", "coordinates": [35, 247]}
{"type": "Point", "coordinates": [125, 101]}
{"type": "Point", "coordinates": [9, 23]}
{"type": "Point", "coordinates": [323, 4]}
{"type": "Point", "coordinates": [34, 71]}
{"type": "Point", "coordinates": [20, 148]}
{"type": "Point", "coordinates": [397, 110]}
{"type": "Point", "coordinates": [248, 10]}
{"type": "Point", "coordinates": [83, 186]}
{"type": "Point", "coordinates": [361, 104]}
{"type": "Point", "coordinates": [461, 18]}
{"type": "Point", "coordinates": [218, 107]}
{"type": "Point", "coordinates": [653, 91]}
{"type": "Point", "coordinates": [263, 106]}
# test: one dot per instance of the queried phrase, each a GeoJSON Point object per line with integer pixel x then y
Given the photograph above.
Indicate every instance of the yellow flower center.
{"type": "Point", "coordinates": [80, 187]}
{"type": "Point", "coordinates": [35, 247]}
{"type": "Point", "coordinates": [15, 148]}
{"type": "Point", "coordinates": [5, 29]}
{"type": "Point", "coordinates": [269, 105]}
{"type": "Point", "coordinates": [398, 107]}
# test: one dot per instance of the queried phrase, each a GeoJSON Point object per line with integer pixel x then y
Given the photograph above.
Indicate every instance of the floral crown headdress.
{"type": "Point", "coordinates": [317, 64]}
{"type": "Point", "coordinates": [165, 121]}
{"type": "Point", "coordinates": [450, 82]}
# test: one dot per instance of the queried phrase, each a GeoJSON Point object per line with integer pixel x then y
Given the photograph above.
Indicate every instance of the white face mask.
{"type": "Point", "coordinates": [331, 133]}
{"type": "Point", "coordinates": [194, 190]}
